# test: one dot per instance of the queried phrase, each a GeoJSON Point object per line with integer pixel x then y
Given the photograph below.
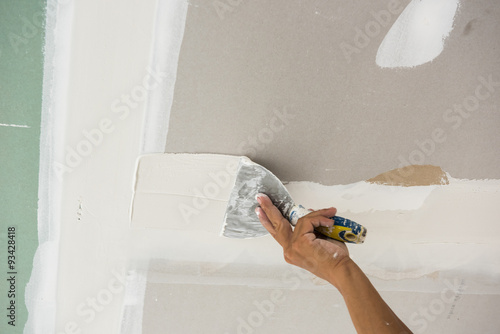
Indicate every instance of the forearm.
{"type": "Point", "coordinates": [369, 312]}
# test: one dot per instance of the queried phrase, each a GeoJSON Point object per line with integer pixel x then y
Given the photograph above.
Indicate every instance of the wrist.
{"type": "Point", "coordinates": [341, 274]}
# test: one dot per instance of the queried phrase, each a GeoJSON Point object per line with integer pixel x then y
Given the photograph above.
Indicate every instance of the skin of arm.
{"type": "Point", "coordinates": [329, 259]}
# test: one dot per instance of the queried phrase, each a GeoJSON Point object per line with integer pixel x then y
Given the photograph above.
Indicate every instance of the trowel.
{"type": "Point", "coordinates": [241, 221]}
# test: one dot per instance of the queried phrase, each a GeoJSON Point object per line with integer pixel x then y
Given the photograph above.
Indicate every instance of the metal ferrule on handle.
{"type": "Point", "coordinates": [343, 229]}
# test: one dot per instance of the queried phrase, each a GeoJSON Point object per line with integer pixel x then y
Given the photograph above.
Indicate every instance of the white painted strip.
{"type": "Point", "coordinates": [41, 297]}
{"type": "Point", "coordinates": [15, 125]}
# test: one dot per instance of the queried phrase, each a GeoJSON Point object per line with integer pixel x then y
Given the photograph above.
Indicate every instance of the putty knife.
{"type": "Point", "coordinates": [241, 221]}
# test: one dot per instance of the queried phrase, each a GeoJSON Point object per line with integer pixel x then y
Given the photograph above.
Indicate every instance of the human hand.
{"type": "Point", "coordinates": [303, 246]}
{"type": "Point", "coordinates": [329, 259]}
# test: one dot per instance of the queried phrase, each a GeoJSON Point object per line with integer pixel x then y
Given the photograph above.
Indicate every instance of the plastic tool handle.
{"type": "Point", "coordinates": [343, 229]}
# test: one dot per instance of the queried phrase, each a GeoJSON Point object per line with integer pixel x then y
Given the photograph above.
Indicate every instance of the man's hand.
{"type": "Point", "coordinates": [303, 246]}
{"type": "Point", "coordinates": [329, 259]}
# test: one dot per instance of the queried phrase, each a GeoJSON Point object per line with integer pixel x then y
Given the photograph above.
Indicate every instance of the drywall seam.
{"type": "Point", "coordinates": [168, 33]}
{"type": "Point", "coordinates": [418, 35]}
{"type": "Point", "coordinates": [186, 187]}
{"type": "Point", "coordinates": [401, 243]}
{"type": "Point", "coordinates": [41, 289]}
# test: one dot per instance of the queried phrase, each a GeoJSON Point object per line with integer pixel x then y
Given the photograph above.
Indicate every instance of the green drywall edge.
{"type": "Point", "coordinates": [21, 74]}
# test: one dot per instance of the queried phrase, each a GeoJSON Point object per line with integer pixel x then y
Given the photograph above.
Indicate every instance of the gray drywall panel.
{"type": "Point", "coordinates": [349, 120]}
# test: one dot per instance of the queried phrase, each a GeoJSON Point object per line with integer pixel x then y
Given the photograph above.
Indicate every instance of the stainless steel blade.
{"type": "Point", "coordinates": [240, 220]}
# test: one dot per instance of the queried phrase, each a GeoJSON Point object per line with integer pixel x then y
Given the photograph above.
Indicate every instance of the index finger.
{"type": "Point", "coordinates": [273, 220]}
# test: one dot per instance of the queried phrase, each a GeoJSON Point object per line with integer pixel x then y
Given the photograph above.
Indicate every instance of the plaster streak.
{"type": "Point", "coordinates": [168, 34]}
{"type": "Point", "coordinates": [190, 187]}
{"type": "Point", "coordinates": [359, 197]}
{"type": "Point", "coordinates": [41, 290]}
{"type": "Point", "coordinates": [76, 258]}
{"type": "Point", "coordinates": [418, 35]}
{"type": "Point", "coordinates": [15, 125]}
{"type": "Point", "coordinates": [413, 231]}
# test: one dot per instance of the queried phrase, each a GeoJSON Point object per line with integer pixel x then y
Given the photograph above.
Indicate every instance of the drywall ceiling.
{"type": "Point", "coordinates": [279, 81]}
{"type": "Point", "coordinates": [98, 122]}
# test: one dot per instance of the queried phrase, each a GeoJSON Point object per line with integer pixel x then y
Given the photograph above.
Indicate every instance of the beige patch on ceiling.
{"type": "Point", "coordinates": [413, 175]}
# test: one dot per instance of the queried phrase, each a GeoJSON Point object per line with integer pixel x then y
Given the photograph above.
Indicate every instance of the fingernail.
{"type": "Point", "coordinates": [257, 211]}
{"type": "Point", "coordinates": [258, 197]}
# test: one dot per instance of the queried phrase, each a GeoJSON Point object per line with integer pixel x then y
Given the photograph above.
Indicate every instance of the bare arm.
{"type": "Point", "coordinates": [329, 259]}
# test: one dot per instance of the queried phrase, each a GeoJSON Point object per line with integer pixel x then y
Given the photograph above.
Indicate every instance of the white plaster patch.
{"type": "Point", "coordinates": [418, 35]}
{"type": "Point", "coordinates": [183, 191]}
{"type": "Point", "coordinates": [359, 197]}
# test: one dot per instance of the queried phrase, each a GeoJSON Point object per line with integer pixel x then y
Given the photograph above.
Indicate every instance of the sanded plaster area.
{"type": "Point", "coordinates": [294, 86]}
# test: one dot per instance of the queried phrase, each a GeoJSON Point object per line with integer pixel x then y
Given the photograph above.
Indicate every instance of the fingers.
{"type": "Point", "coordinates": [265, 221]}
{"type": "Point", "coordinates": [329, 212]}
{"type": "Point", "coordinates": [272, 212]}
{"type": "Point", "coordinates": [307, 224]}
{"type": "Point", "coordinates": [279, 227]}
{"type": "Point", "coordinates": [272, 219]}
{"type": "Point", "coordinates": [318, 218]}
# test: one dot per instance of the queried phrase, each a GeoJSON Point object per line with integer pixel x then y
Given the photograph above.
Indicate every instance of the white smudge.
{"type": "Point", "coordinates": [15, 125]}
{"type": "Point", "coordinates": [418, 34]}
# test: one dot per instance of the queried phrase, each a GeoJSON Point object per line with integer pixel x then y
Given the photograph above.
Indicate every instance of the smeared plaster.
{"type": "Point", "coordinates": [41, 290]}
{"type": "Point", "coordinates": [418, 35]}
{"type": "Point", "coordinates": [409, 243]}
{"type": "Point", "coordinates": [190, 187]}
{"type": "Point", "coordinates": [168, 31]}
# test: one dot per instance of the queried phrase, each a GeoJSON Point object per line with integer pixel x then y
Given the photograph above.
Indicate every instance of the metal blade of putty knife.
{"type": "Point", "coordinates": [240, 220]}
